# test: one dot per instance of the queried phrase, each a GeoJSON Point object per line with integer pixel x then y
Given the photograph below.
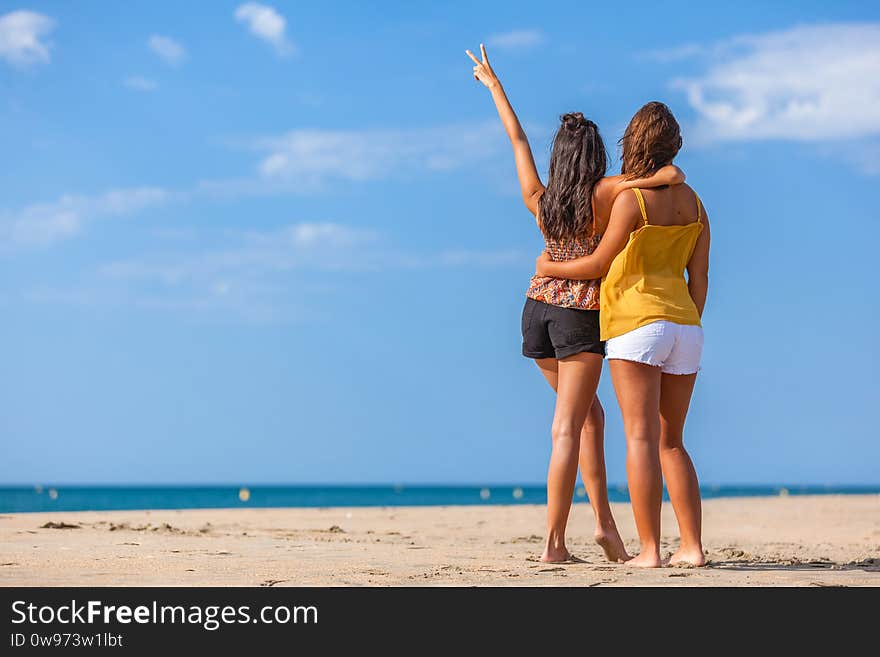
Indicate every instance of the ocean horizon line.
{"type": "Point", "coordinates": [396, 484]}
{"type": "Point", "coordinates": [104, 497]}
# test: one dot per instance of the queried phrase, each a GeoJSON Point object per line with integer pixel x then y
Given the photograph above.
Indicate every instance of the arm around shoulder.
{"type": "Point", "coordinates": [667, 175]}
{"type": "Point", "coordinates": [624, 216]}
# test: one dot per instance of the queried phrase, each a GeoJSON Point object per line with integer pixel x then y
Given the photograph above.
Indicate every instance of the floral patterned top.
{"type": "Point", "coordinates": [583, 295]}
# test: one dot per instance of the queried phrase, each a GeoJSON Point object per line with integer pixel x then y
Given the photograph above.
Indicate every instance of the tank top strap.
{"type": "Point", "coordinates": [641, 200]}
{"type": "Point", "coordinates": [699, 208]}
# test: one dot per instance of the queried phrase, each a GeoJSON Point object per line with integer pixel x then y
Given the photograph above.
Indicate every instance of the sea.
{"type": "Point", "coordinates": [18, 499]}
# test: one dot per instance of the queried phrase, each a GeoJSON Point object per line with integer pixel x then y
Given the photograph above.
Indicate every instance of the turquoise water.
{"type": "Point", "coordinates": [100, 498]}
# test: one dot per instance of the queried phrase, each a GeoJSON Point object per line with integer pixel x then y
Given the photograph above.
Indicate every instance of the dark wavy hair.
{"type": "Point", "coordinates": [577, 162]}
{"type": "Point", "coordinates": [651, 140]}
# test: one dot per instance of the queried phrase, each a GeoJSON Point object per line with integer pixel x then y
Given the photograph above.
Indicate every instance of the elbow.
{"type": "Point", "coordinates": [599, 271]}
{"type": "Point", "coordinates": [532, 196]}
{"type": "Point", "coordinates": [594, 271]}
{"type": "Point", "coordinates": [698, 281]}
{"type": "Point", "coordinates": [519, 140]}
{"type": "Point", "coordinates": [698, 275]}
{"type": "Point", "coordinates": [591, 274]}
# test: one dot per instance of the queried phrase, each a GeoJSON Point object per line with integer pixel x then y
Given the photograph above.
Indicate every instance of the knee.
{"type": "Point", "coordinates": [643, 433]}
{"type": "Point", "coordinates": [595, 418]}
{"type": "Point", "coordinates": [671, 441]}
{"type": "Point", "coordinates": [564, 433]}
{"type": "Point", "coordinates": [672, 448]}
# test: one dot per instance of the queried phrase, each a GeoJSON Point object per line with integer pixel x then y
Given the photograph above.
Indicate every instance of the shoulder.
{"type": "Point", "coordinates": [689, 195]}
{"type": "Point", "coordinates": [626, 201]}
{"type": "Point", "coordinates": [604, 189]}
{"type": "Point", "coordinates": [625, 213]}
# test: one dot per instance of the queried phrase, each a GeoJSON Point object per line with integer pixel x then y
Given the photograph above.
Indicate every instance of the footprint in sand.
{"type": "Point", "coordinates": [534, 538]}
{"type": "Point", "coordinates": [273, 582]}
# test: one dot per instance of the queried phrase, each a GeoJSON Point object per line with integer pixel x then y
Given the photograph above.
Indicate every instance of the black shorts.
{"type": "Point", "coordinates": [556, 332]}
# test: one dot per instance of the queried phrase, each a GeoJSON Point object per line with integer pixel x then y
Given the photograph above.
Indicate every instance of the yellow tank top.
{"type": "Point", "coordinates": [646, 280]}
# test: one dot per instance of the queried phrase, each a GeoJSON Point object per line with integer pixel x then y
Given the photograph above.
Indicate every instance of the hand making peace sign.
{"type": "Point", "coordinates": [483, 71]}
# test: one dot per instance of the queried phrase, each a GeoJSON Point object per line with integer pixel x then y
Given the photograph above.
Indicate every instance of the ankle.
{"type": "Point", "coordinates": [555, 540]}
{"type": "Point", "coordinates": [652, 549]}
{"type": "Point", "coordinates": [691, 546]}
{"type": "Point", "coordinates": [605, 523]}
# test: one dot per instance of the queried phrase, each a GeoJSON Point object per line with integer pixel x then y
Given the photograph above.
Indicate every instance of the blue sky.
{"type": "Point", "coordinates": [284, 244]}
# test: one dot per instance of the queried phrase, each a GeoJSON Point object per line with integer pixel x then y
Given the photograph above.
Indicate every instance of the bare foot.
{"type": "Point", "coordinates": [612, 545]}
{"type": "Point", "coordinates": [555, 555]}
{"type": "Point", "coordinates": [645, 560]}
{"type": "Point", "coordinates": [688, 557]}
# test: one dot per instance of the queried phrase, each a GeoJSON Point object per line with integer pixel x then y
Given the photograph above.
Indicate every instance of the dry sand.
{"type": "Point", "coordinates": [794, 541]}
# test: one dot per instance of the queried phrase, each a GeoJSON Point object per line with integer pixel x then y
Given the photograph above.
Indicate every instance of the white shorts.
{"type": "Point", "coordinates": [674, 348]}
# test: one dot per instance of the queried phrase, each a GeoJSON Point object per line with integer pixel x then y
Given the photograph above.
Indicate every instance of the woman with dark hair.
{"type": "Point", "coordinates": [651, 319]}
{"type": "Point", "coordinates": [560, 321]}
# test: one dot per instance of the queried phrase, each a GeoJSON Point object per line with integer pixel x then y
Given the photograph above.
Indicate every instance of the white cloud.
{"type": "Point", "coordinates": [516, 39]}
{"type": "Point", "coordinates": [265, 23]}
{"type": "Point", "coordinates": [808, 83]}
{"type": "Point", "coordinates": [41, 224]}
{"type": "Point", "coordinates": [140, 83]}
{"type": "Point", "coordinates": [229, 262]}
{"type": "Point", "coordinates": [314, 156]}
{"type": "Point", "coordinates": [171, 51]}
{"type": "Point", "coordinates": [298, 162]}
{"type": "Point", "coordinates": [267, 276]}
{"type": "Point", "coordinates": [22, 37]}
{"type": "Point", "coordinates": [318, 246]}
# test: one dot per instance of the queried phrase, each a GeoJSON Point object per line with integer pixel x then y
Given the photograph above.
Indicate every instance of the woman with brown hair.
{"type": "Point", "coordinates": [560, 321]}
{"type": "Point", "coordinates": [650, 316]}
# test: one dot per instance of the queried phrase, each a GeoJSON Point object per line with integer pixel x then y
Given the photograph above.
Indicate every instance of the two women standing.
{"type": "Point", "coordinates": [638, 245]}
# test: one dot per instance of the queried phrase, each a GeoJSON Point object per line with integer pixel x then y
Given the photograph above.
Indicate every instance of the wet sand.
{"type": "Point", "coordinates": [789, 541]}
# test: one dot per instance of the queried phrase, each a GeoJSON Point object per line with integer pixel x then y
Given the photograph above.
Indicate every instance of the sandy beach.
{"type": "Point", "coordinates": [790, 541]}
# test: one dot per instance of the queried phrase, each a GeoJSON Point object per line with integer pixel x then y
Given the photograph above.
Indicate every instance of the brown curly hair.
{"type": "Point", "coordinates": [652, 140]}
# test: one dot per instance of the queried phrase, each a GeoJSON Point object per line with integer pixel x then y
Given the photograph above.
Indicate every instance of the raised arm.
{"type": "Point", "coordinates": [698, 267]}
{"type": "Point", "coordinates": [624, 216]}
{"type": "Point", "coordinates": [529, 181]}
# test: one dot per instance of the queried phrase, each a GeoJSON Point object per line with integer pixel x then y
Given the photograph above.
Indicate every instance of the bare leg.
{"type": "Point", "coordinates": [678, 469]}
{"type": "Point", "coordinates": [592, 462]}
{"type": "Point", "coordinates": [638, 392]}
{"type": "Point", "coordinates": [577, 380]}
